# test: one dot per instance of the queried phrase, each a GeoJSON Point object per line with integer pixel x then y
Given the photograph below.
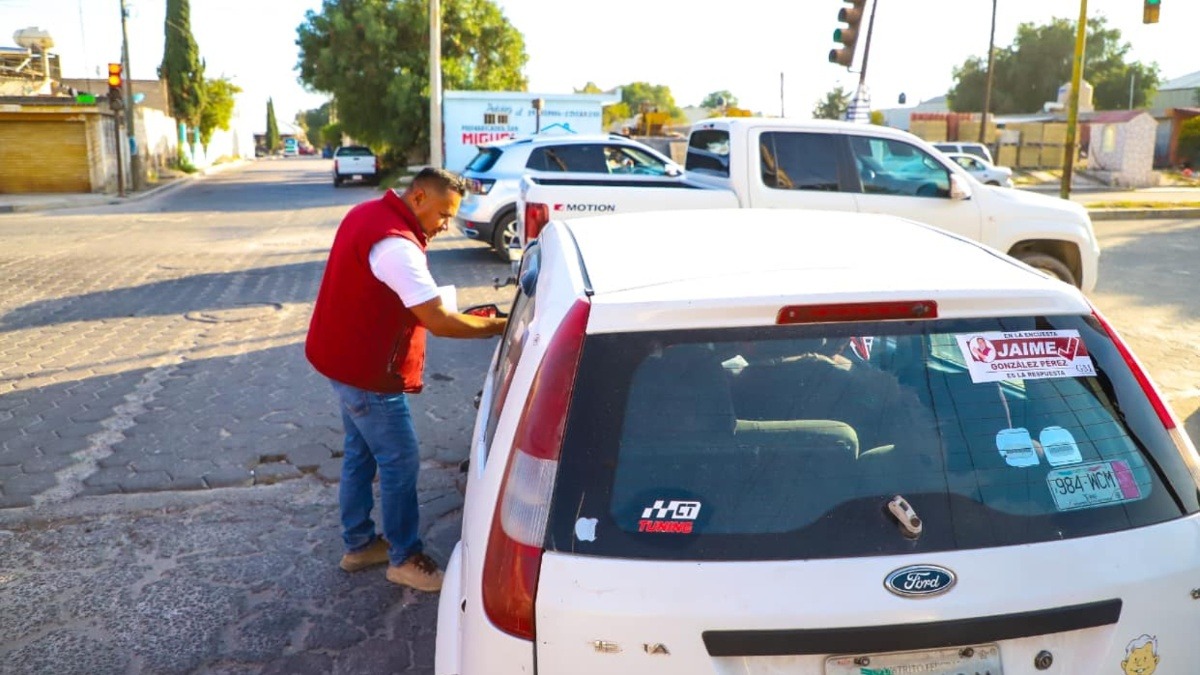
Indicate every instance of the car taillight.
{"type": "Point", "coordinates": [335, 165]}
{"type": "Point", "coordinates": [376, 165]}
{"type": "Point", "coordinates": [858, 311]}
{"type": "Point", "coordinates": [514, 551]}
{"type": "Point", "coordinates": [536, 217]}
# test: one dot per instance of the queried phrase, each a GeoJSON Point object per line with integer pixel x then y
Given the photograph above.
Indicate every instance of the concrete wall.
{"type": "Point", "coordinates": [1123, 153]}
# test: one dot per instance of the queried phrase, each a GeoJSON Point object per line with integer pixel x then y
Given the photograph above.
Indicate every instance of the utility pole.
{"type": "Point", "coordinates": [135, 160]}
{"type": "Point", "coordinates": [435, 84]}
{"type": "Point", "coordinates": [781, 108]}
{"type": "Point", "coordinates": [1064, 189]}
{"type": "Point", "coordinates": [861, 94]}
{"type": "Point", "coordinates": [987, 89]}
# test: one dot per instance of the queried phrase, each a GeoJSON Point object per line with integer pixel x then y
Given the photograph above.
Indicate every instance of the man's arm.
{"type": "Point", "coordinates": [437, 320]}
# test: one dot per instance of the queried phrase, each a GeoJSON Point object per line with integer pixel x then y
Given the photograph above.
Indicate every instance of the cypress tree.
{"type": "Point", "coordinates": [272, 139]}
{"type": "Point", "coordinates": [181, 65]}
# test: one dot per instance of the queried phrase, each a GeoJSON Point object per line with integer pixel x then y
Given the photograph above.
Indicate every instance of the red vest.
{"type": "Point", "coordinates": [361, 334]}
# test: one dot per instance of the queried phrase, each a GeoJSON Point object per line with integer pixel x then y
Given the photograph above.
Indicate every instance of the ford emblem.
{"type": "Point", "coordinates": [920, 581]}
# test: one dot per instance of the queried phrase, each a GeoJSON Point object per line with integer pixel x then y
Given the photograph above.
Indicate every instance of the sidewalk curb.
{"type": "Point", "coordinates": [1143, 214]}
{"type": "Point", "coordinates": [108, 200]}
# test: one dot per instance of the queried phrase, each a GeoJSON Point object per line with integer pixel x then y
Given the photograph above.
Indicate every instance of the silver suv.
{"type": "Point", "coordinates": [489, 212]}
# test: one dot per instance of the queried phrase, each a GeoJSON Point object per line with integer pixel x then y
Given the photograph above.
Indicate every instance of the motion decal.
{"type": "Point", "coordinates": [1025, 355]}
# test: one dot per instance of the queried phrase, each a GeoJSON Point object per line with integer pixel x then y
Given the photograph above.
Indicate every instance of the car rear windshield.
{"type": "Point", "coordinates": [708, 152]}
{"type": "Point", "coordinates": [789, 442]}
{"type": "Point", "coordinates": [485, 160]}
{"type": "Point", "coordinates": [354, 151]}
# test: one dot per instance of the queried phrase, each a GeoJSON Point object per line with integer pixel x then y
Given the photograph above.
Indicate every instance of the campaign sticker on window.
{"type": "Point", "coordinates": [1025, 355]}
{"type": "Point", "coordinates": [1090, 485]}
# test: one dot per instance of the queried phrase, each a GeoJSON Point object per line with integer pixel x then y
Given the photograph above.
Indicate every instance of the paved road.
{"type": "Point", "coordinates": [152, 369]}
{"type": "Point", "coordinates": [166, 452]}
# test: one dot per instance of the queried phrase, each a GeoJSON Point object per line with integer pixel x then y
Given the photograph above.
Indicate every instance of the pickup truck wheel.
{"type": "Point", "coordinates": [1048, 265]}
{"type": "Point", "coordinates": [992, 182]}
{"type": "Point", "coordinates": [337, 181]}
{"type": "Point", "coordinates": [504, 235]}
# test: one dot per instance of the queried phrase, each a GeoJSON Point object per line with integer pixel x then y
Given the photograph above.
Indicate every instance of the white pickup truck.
{"type": "Point", "coordinates": [833, 166]}
{"type": "Point", "coordinates": [355, 163]}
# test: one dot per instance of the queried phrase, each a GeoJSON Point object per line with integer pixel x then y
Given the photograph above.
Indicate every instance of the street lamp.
{"type": "Point", "coordinates": [987, 88]}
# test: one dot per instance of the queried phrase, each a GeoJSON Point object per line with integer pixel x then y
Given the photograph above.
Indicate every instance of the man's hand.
{"type": "Point", "coordinates": [437, 320]}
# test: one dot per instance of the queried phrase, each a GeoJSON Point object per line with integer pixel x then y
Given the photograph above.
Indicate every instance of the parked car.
{"type": "Point", "coordinates": [839, 166]}
{"type": "Point", "coordinates": [977, 149]}
{"type": "Point", "coordinates": [355, 163]}
{"type": "Point", "coordinates": [489, 212]}
{"type": "Point", "coordinates": [983, 171]}
{"type": "Point", "coordinates": [816, 443]}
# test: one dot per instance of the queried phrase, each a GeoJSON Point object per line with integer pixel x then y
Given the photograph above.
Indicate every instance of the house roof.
{"type": "Point", "coordinates": [1189, 81]}
{"type": "Point", "coordinates": [1111, 116]}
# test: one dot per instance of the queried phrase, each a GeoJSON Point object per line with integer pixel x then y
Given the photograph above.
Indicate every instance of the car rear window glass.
{"type": "Point", "coordinates": [977, 151]}
{"type": "Point", "coordinates": [485, 160]}
{"type": "Point", "coordinates": [354, 151]}
{"type": "Point", "coordinates": [708, 152]}
{"type": "Point", "coordinates": [787, 442]}
{"type": "Point", "coordinates": [800, 161]}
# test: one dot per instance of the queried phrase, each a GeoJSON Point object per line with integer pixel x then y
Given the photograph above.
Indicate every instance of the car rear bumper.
{"type": "Point", "coordinates": [474, 230]}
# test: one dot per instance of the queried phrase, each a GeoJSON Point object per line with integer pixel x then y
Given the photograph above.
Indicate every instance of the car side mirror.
{"type": "Point", "coordinates": [673, 170]}
{"type": "Point", "coordinates": [959, 189]}
{"type": "Point", "coordinates": [488, 311]}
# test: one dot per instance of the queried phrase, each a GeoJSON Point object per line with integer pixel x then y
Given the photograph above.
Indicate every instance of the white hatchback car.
{"type": "Point", "coordinates": [983, 171]}
{"type": "Point", "coordinates": [768, 447]}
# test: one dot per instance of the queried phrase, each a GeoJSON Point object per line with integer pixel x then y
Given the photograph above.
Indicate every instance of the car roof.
{"type": "Point", "coordinates": [780, 255]}
{"type": "Point", "coordinates": [544, 139]}
{"type": "Point", "coordinates": [828, 126]}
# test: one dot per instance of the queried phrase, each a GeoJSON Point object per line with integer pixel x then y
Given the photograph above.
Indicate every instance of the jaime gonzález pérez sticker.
{"type": "Point", "coordinates": [1025, 355]}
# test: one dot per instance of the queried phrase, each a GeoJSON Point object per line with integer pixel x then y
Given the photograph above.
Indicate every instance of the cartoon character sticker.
{"type": "Point", "coordinates": [1141, 656]}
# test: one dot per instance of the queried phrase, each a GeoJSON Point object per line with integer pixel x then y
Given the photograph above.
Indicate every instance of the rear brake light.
{"type": "Point", "coordinates": [377, 165]}
{"type": "Point", "coordinates": [335, 165]}
{"type": "Point", "coordinates": [858, 311]}
{"type": "Point", "coordinates": [1135, 367]}
{"type": "Point", "coordinates": [536, 217]}
{"type": "Point", "coordinates": [514, 551]}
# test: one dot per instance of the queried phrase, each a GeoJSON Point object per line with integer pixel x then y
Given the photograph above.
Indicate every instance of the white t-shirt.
{"type": "Point", "coordinates": [401, 265]}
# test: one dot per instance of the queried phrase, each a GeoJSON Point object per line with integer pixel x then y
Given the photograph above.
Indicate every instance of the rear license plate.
{"type": "Point", "coordinates": [978, 660]}
{"type": "Point", "coordinates": [1087, 485]}
{"type": "Point", "coordinates": [357, 176]}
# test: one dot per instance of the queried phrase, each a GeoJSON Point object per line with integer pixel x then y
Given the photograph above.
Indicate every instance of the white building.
{"type": "Point", "coordinates": [471, 118]}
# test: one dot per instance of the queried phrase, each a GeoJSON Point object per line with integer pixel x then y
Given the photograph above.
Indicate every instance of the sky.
{"type": "Point", "coordinates": [693, 47]}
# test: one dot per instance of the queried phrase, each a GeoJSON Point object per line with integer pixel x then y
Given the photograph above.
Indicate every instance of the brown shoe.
{"type": "Point", "coordinates": [419, 571]}
{"type": "Point", "coordinates": [376, 553]}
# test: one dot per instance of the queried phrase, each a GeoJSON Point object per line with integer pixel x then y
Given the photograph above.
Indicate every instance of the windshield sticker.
{"type": "Point", "coordinates": [1016, 447]}
{"type": "Point", "coordinates": [1091, 485]}
{"type": "Point", "coordinates": [585, 529]}
{"type": "Point", "coordinates": [1141, 656]}
{"type": "Point", "coordinates": [1026, 355]}
{"type": "Point", "coordinates": [1059, 446]}
{"type": "Point", "coordinates": [670, 517]}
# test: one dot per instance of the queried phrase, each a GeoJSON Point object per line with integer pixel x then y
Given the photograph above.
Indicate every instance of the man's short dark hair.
{"type": "Point", "coordinates": [441, 180]}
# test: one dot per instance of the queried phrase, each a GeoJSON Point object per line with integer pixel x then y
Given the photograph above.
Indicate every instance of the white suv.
{"type": "Point", "coordinates": [489, 212]}
{"type": "Point", "coordinates": [867, 446]}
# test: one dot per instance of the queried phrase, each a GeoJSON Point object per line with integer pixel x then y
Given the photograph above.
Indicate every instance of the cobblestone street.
{"type": "Point", "coordinates": [158, 348]}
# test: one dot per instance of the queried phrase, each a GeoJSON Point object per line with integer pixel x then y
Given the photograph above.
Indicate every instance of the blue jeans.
{"type": "Point", "coordinates": [379, 435]}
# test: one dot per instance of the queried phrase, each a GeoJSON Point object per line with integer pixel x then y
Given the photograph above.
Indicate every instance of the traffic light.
{"type": "Point", "coordinates": [852, 16]}
{"type": "Point", "coordinates": [114, 76]}
{"type": "Point", "coordinates": [1150, 11]}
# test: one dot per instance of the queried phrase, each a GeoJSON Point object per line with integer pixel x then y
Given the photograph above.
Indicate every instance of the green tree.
{"type": "Point", "coordinates": [714, 99]}
{"type": "Point", "coordinates": [590, 88]}
{"type": "Point", "coordinates": [833, 106]}
{"type": "Point", "coordinates": [181, 65]}
{"type": "Point", "coordinates": [218, 108]}
{"type": "Point", "coordinates": [313, 122]}
{"type": "Point", "coordinates": [372, 55]}
{"type": "Point", "coordinates": [1189, 142]}
{"type": "Point", "coordinates": [655, 96]}
{"type": "Point", "coordinates": [272, 138]}
{"type": "Point", "coordinates": [1029, 72]}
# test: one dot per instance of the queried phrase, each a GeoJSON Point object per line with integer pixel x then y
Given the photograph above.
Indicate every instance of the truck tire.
{"type": "Point", "coordinates": [337, 181]}
{"type": "Point", "coordinates": [504, 234]}
{"type": "Point", "coordinates": [1048, 265]}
